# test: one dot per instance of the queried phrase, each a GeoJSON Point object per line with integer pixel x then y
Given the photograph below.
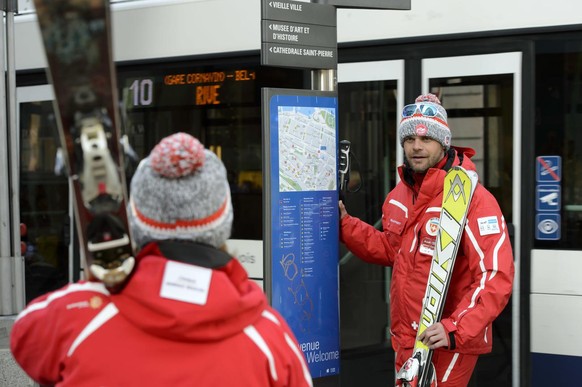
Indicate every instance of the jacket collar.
{"type": "Point", "coordinates": [455, 156]}
{"type": "Point", "coordinates": [187, 252]}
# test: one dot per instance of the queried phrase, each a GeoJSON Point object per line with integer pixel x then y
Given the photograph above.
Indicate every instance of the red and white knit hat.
{"type": "Point", "coordinates": [180, 192]}
{"type": "Point", "coordinates": [435, 127]}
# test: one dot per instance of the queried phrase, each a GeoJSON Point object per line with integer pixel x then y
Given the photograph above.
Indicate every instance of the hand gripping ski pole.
{"type": "Point", "coordinates": [344, 164]}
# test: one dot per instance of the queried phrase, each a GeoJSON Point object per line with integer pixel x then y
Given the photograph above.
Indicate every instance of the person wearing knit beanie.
{"type": "Point", "coordinates": [180, 192]}
{"type": "Point", "coordinates": [411, 216]}
{"type": "Point", "coordinates": [425, 117]}
{"type": "Point", "coordinates": [187, 311]}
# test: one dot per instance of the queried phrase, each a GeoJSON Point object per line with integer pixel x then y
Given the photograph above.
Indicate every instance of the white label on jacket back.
{"type": "Point", "coordinates": [186, 283]}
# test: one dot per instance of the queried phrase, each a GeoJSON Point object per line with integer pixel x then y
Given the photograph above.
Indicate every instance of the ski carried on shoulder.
{"type": "Point", "coordinates": [77, 42]}
{"type": "Point", "coordinates": [459, 186]}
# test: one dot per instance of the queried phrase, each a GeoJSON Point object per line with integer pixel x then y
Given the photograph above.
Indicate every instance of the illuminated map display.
{"type": "Point", "coordinates": [307, 149]}
{"type": "Point", "coordinates": [302, 232]}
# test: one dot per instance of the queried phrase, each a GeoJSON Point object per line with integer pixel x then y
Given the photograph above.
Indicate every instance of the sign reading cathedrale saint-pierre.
{"type": "Point", "coordinates": [297, 34]}
{"type": "Point", "coordinates": [303, 34]}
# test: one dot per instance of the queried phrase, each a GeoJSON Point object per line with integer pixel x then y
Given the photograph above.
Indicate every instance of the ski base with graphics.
{"type": "Point", "coordinates": [77, 41]}
{"type": "Point", "coordinates": [459, 186]}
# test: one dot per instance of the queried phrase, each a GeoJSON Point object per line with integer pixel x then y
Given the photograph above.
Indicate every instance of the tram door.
{"type": "Point", "coordinates": [45, 197]}
{"type": "Point", "coordinates": [482, 95]}
{"type": "Point", "coordinates": [370, 95]}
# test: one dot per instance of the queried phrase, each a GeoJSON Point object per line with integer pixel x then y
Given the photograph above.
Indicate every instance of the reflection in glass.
{"type": "Point", "coordinates": [558, 113]}
{"type": "Point", "coordinates": [367, 120]}
{"type": "Point", "coordinates": [480, 115]}
{"type": "Point", "coordinates": [44, 201]}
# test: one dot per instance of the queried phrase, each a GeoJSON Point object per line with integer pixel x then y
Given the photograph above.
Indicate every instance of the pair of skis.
{"type": "Point", "coordinates": [77, 42]}
{"type": "Point", "coordinates": [458, 190]}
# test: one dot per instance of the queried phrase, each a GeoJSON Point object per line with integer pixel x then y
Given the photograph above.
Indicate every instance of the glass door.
{"type": "Point", "coordinates": [45, 201]}
{"type": "Point", "coordinates": [482, 95]}
{"type": "Point", "coordinates": [370, 95]}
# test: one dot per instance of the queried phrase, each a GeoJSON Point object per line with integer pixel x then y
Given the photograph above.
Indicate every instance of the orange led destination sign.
{"type": "Point", "coordinates": [212, 77]}
{"type": "Point", "coordinates": [199, 88]}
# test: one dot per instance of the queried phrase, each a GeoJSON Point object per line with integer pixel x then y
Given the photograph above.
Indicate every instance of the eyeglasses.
{"type": "Point", "coordinates": [425, 109]}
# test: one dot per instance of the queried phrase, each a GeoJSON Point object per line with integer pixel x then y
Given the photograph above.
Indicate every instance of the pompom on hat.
{"type": "Point", "coordinates": [180, 192]}
{"type": "Point", "coordinates": [435, 127]}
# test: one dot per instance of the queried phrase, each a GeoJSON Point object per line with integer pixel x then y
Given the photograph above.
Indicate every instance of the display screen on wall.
{"type": "Point", "coordinates": [189, 87]}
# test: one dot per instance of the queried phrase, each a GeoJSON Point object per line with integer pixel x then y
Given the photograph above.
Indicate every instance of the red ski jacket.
{"type": "Point", "coordinates": [482, 278]}
{"type": "Point", "coordinates": [174, 324]}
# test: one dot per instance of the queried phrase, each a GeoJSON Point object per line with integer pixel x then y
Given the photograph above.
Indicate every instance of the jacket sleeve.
{"type": "Point", "coordinates": [487, 246]}
{"type": "Point", "coordinates": [373, 245]}
{"type": "Point", "coordinates": [44, 331]}
{"type": "Point", "coordinates": [35, 343]}
{"type": "Point", "coordinates": [366, 242]}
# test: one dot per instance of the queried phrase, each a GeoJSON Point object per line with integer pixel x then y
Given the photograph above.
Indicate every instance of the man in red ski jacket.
{"type": "Point", "coordinates": [188, 316]}
{"type": "Point", "coordinates": [482, 279]}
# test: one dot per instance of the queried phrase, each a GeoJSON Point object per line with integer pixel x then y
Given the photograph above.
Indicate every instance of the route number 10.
{"type": "Point", "coordinates": [143, 92]}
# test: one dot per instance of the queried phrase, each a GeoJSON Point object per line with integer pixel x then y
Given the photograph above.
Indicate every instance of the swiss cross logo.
{"type": "Point", "coordinates": [432, 226]}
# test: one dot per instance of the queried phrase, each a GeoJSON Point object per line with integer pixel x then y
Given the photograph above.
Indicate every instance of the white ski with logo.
{"type": "Point", "coordinates": [458, 191]}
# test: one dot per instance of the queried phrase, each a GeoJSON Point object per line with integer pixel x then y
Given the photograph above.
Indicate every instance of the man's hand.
{"type": "Point", "coordinates": [435, 336]}
{"type": "Point", "coordinates": [342, 208]}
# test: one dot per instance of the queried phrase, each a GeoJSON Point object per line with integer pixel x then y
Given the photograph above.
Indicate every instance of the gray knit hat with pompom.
{"type": "Point", "coordinates": [418, 124]}
{"type": "Point", "coordinates": [180, 192]}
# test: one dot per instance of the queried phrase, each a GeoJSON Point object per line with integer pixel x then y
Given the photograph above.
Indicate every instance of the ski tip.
{"type": "Point", "coordinates": [471, 174]}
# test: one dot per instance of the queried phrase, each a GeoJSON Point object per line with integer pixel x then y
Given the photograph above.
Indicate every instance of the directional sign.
{"type": "Point", "coordinates": [299, 12]}
{"type": "Point", "coordinates": [297, 34]}
{"type": "Point", "coordinates": [549, 169]}
{"type": "Point", "coordinates": [370, 4]}
{"type": "Point", "coordinates": [548, 197]}
{"type": "Point", "coordinates": [287, 55]}
{"type": "Point", "coordinates": [274, 31]}
{"type": "Point", "coordinates": [548, 226]}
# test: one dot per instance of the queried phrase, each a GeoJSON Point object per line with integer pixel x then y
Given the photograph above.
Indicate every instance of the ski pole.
{"type": "Point", "coordinates": [344, 164]}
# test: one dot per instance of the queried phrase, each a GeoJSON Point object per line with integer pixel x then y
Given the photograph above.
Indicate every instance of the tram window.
{"type": "Point", "coordinates": [219, 104]}
{"type": "Point", "coordinates": [368, 121]}
{"type": "Point", "coordinates": [480, 114]}
{"type": "Point", "coordinates": [558, 113]}
{"type": "Point", "coordinates": [44, 201]}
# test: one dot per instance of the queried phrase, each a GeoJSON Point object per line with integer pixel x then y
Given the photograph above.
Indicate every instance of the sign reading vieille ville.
{"type": "Point", "coordinates": [297, 34]}
{"type": "Point", "coordinates": [369, 4]}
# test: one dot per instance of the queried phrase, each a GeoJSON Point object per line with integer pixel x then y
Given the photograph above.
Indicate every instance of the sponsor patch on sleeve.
{"type": "Point", "coordinates": [488, 225]}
